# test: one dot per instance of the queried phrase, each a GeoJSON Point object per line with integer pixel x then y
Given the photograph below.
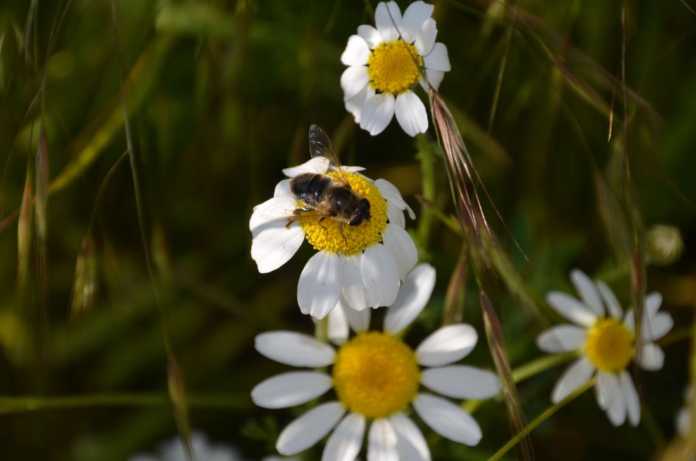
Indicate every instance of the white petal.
{"type": "Point", "coordinates": [309, 428]}
{"type": "Point", "coordinates": [411, 114]}
{"type": "Point", "coordinates": [414, 18]}
{"type": "Point", "coordinates": [274, 212]}
{"type": "Point", "coordinates": [294, 349]}
{"type": "Point", "coordinates": [370, 35]}
{"type": "Point", "coordinates": [317, 164]}
{"type": "Point", "coordinates": [575, 376]}
{"type": "Point", "coordinates": [290, 389]}
{"type": "Point", "coordinates": [617, 409]}
{"type": "Point", "coordinates": [434, 77]}
{"type": "Point", "coordinates": [587, 291]}
{"type": "Point", "coordinates": [356, 53]}
{"type": "Point", "coordinates": [658, 327]}
{"type": "Point", "coordinates": [346, 441]}
{"type": "Point", "coordinates": [571, 308]}
{"type": "Point", "coordinates": [561, 338]}
{"type": "Point", "coordinates": [388, 20]}
{"type": "Point", "coordinates": [402, 248]}
{"type": "Point", "coordinates": [354, 294]}
{"type": "Point", "coordinates": [319, 287]}
{"type": "Point", "coordinates": [410, 441]}
{"type": "Point", "coordinates": [461, 382]}
{"type": "Point", "coordinates": [378, 111]}
{"type": "Point", "coordinates": [337, 328]}
{"type": "Point", "coordinates": [274, 246]}
{"type": "Point", "coordinates": [425, 38]}
{"type": "Point", "coordinates": [651, 357]}
{"type": "Point", "coordinates": [413, 296]}
{"type": "Point", "coordinates": [352, 169]}
{"type": "Point", "coordinates": [608, 389]}
{"type": "Point", "coordinates": [684, 422]}
{"type": "Point", "coordinates": [653, 302]}
{"type": "Point", "coordinates": [610, 300]}
{"type": "Point", "coordinates": [395, 215]}
{"type": "Point", "coordinates": [353, 80]}
{"type": "Point", "coordinates": [631, 396]}
{"type": "Point", "coordinates": [282, 189]}
{"type": "Point", "coordinates": [382, 442]}
{"type": "Point", "coordinates": [359, 321]}
{"type": "Point", "coordinates": [447, 419]}
{"type": "Point", "coordinates": [447, 345]}
{"type": "Point", "coordinates": [380, 275]}
{"type": "Point", "coordinates": [393, 196]}
{"type": "Point", "coordinates": [356, 105]}
{"type": "Point", "coordinates": [438, 59]}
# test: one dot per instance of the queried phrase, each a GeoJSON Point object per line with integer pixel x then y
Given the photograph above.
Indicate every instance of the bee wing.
{"type": "Point", "coordinates": [320, 145]}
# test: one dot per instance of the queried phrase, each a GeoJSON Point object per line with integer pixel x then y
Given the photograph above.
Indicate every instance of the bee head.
{"type": "Point", "coordinates": [361, 213]}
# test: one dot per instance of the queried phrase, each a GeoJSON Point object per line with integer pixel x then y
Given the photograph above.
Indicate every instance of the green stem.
{"type": "Point", "coordinates": [536, 422]}
{"type": "Point", "coordinates": [426, 156]}
{"type": "Point", "coordinates": [24, 404]}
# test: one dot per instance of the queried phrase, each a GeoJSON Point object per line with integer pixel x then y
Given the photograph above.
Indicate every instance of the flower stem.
{"type": "Point", "coordinates": [546, 414]}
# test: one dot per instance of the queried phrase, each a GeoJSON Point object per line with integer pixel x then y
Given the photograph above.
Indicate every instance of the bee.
{"type": "Point", "coordinates": [326, 196]}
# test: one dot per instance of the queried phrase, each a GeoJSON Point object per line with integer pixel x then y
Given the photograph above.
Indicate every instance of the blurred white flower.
{"type": "Point", "coordinates": [356, 266]}
{"type": "Point", "coordinates": [664, 244]}
{"type": "Point", "coordinates": [683, 422]}
{"type": "Point", "coordinates": [385, 64]}
{"type": "Point", "coordinates": [605, 340]}
{"type": "Point", "coordinates": [174, 450]}
{"type": "Point", "coordinates": [376, 377]}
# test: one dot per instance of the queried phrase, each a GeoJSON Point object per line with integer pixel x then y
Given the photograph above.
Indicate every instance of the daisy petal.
{"type": "Point", "coordinates": [317, 165]}
{"type": "Point", "coordinates": [425, 38]}
{"type": "Point", "coordinates": [653, 302]}
{"type": "Point", "coordinates": [610, 300]}
{"type": "Point", "coordinates": [319, 286]}
{"type": "Point", "coordinates": [378, 111]}
{"type": "Point", "coordinates": [401, 245]}
{"type": "Point", "coordinates": [410, 441]}
{"type": "Point", "coordinates": [571, 308]}
{"type": "Point", "coordinates": [359, 321]}
{"type": "Point", "coordinates": [438, 59]}
{"type": "Point", "coordinates": [461, 382]}
{"type": "Point", "coordinates": [587, 291]}
{"type": "Point", "coordinates": [414, 18]}
{"type": "Point", "coordinates": [561, 338]}
{"type": "Point", "coordinates": [290, 389]}
{"type": "Point", "coordinates": [282, 189]}
{"type": "Point", "coordinates": [608, 389]}
{"type": "Point", "coordinates": [353, 290]}
{"type": "Point", "coordinates": [631, 397]}
{"type": "Point", "coordinates": [412, 298]}
{"type": "Point", "coordinates": [388, 20]}
{"type": "Point", "coordinates": [346, 441]}
{"type": "Point", "coordinates": [575, 376]}
{"type": "Point", "coordinates": [434, 77]}
{"type": "Point", "coordinates": [684, 422]}
{"type": "Point", "coordinates": [274, 212]}
{"type": "Point", "coordinates": [337, 328]}
{"type": "Point", "coordinates": [356, 53]}
{"type": "Point", "coordinates": [353, 80]}
{"type": "Point", "coordinates": [380, 275]}
{"type": "Point", "coordinates": [658, 327]}
{"type": "Point", "coordinates": [651, 357]}
{"type": "Point", "coordinates": [393, 196]}
{"type": "Point", "coordinates": [356, 105]}
{"type": "Point", "coordinates": [274, 246]}
{"type": "Point", "coordinates": [617, 410]}
{"type": "Point", "coordinates": [447, 419]}
{"type": "Point", "coordinates": [370, 35]}
{"type": "Point", "coordinates": [309, 428]}
{"type": "Point", "coordinates": [447, 345]}
{"type": "Point", "coordinates": [411, 114]}
{"type": "Point", "coordinates": [382, 442]}
{"type": "Point", "coordinates": [395, 215]}
{"type": "Point", "coordinates": [294, 349]}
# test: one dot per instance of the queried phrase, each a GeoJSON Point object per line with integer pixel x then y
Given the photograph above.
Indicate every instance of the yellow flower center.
{"type": "Point", "coordinates": [394, 67]}
{"type": "Point", "coordinates": [336, 236]}
{"type": "Point", "coordinates": [609, 345]}
{"type": "Point", "coordinates": [375, 374]}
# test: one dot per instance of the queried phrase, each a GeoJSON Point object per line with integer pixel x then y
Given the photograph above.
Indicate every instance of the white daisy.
{"type": "Point", "coordinates": [358, 266]}
{"type": "Point", "coordinates": [605, 341]}
{"type": "Point", "coordinates": [376, 377]}
{"type": "Point", "coordinates": [173, 450]}
{"type": "Point", "coordinates": [683, 422]}
{"type": "Point", "coordinates": [385, 64]}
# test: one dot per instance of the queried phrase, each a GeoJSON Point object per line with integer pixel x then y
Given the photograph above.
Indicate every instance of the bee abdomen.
{"type": "Point", "coordinates": [309, 187]}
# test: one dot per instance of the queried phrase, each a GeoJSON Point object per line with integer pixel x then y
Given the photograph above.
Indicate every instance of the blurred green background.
{"type": "Point", "coordinates": [219, 96]}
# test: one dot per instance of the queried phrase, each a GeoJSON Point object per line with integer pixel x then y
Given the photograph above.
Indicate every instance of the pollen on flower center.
{"type": "Point", "coordinates": [375, 374]}
{"type": "Point", "coordinates": [394, 67]}
{"type": "Point", "coordinates": [609, 345]}
{"type": "Point", "coordinates": [332, 235]}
